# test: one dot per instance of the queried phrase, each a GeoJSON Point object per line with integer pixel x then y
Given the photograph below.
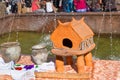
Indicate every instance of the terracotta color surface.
{"type": "Point", "coordinates": [25, 60]}
{"type": "Point", "coordinates": [73, 38]}
{"type": "Point", "coordinates": [103, 69]}
{"type": "Point", "coordinates": [5, 77]}
{"type": "Point", "coordinates": [76, 31]}
{"type": "Point", "coordinates": [106, 70]}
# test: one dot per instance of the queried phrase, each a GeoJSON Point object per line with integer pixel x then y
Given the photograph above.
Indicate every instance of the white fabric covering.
{"type": "Point", "coordinates": [8, 68]}
{"type": "Point", "coordinates": [5, 66]}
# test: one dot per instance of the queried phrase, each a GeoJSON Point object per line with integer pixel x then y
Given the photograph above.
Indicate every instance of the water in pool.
{"type": "Point", "coordinates": [106, 48]}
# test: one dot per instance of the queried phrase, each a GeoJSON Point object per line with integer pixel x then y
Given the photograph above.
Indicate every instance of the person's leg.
{"type": "Point", "coordinates": [54, 8]}
{"type": "Point", "coordinates": [67, 6]}
{"type": "Point", "coordinates": [13, 11]}
{"type": "Point", "coordinates": [64, 5]}
{"type": "Point", "coordinates": [19, 8]}
{"type": "Point", "coordinates": [71, 6]}
{"type": "Point", "coordinates": [16, 8]}
{"type": "Point", "coordinates": [12, 8]}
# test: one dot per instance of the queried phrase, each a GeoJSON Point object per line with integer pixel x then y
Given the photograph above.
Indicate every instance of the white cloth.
{"type": "Point", "coordinates": [19, 75]}
{"type": "Point", "coordinates": [46, 67]}
{"type": "Point", "coordinates": [5, 66]}
{"type": "Point", "coordinates": [49, 7]}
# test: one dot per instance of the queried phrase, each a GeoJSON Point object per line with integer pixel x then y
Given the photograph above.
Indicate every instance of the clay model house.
{"type": "Point", "coordinates": [72, 38]}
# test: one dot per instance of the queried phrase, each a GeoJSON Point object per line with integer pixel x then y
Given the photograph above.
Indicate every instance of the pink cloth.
{"type": "Point", "coordinates": [80, 4]}
{"type": "Point", "coordinates": [34, 5]}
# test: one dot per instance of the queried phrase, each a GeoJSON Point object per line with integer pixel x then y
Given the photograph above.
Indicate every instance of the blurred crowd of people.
{"type": "Point", "coordinates": [26, 6]}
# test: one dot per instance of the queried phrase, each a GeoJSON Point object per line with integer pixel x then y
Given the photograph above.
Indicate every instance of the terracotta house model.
{"type": "Point", "coordinates": [73, 38]}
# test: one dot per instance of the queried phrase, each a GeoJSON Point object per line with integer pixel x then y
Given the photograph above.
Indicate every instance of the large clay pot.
{"type": "Point", "coordinates": [10, 51]}
{"type": "Point", "coordinates": [39, 53]}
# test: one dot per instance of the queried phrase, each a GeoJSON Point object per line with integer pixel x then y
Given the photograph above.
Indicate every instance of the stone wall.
{"type": "Point", "coordinates": [100, 22]}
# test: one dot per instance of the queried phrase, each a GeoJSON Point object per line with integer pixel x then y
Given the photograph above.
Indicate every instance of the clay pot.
{"type": "Point", "coordinates": [39, 53]}
{"type": "Point", "coordinates": [10, 51]}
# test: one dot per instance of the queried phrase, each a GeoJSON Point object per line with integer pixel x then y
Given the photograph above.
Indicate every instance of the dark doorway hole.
{"type": "Point", "coordinates": [67, 42]}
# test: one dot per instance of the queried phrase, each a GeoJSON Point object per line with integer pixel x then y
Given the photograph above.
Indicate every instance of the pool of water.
{"type": "Point", "coordinates": [107, 45]}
